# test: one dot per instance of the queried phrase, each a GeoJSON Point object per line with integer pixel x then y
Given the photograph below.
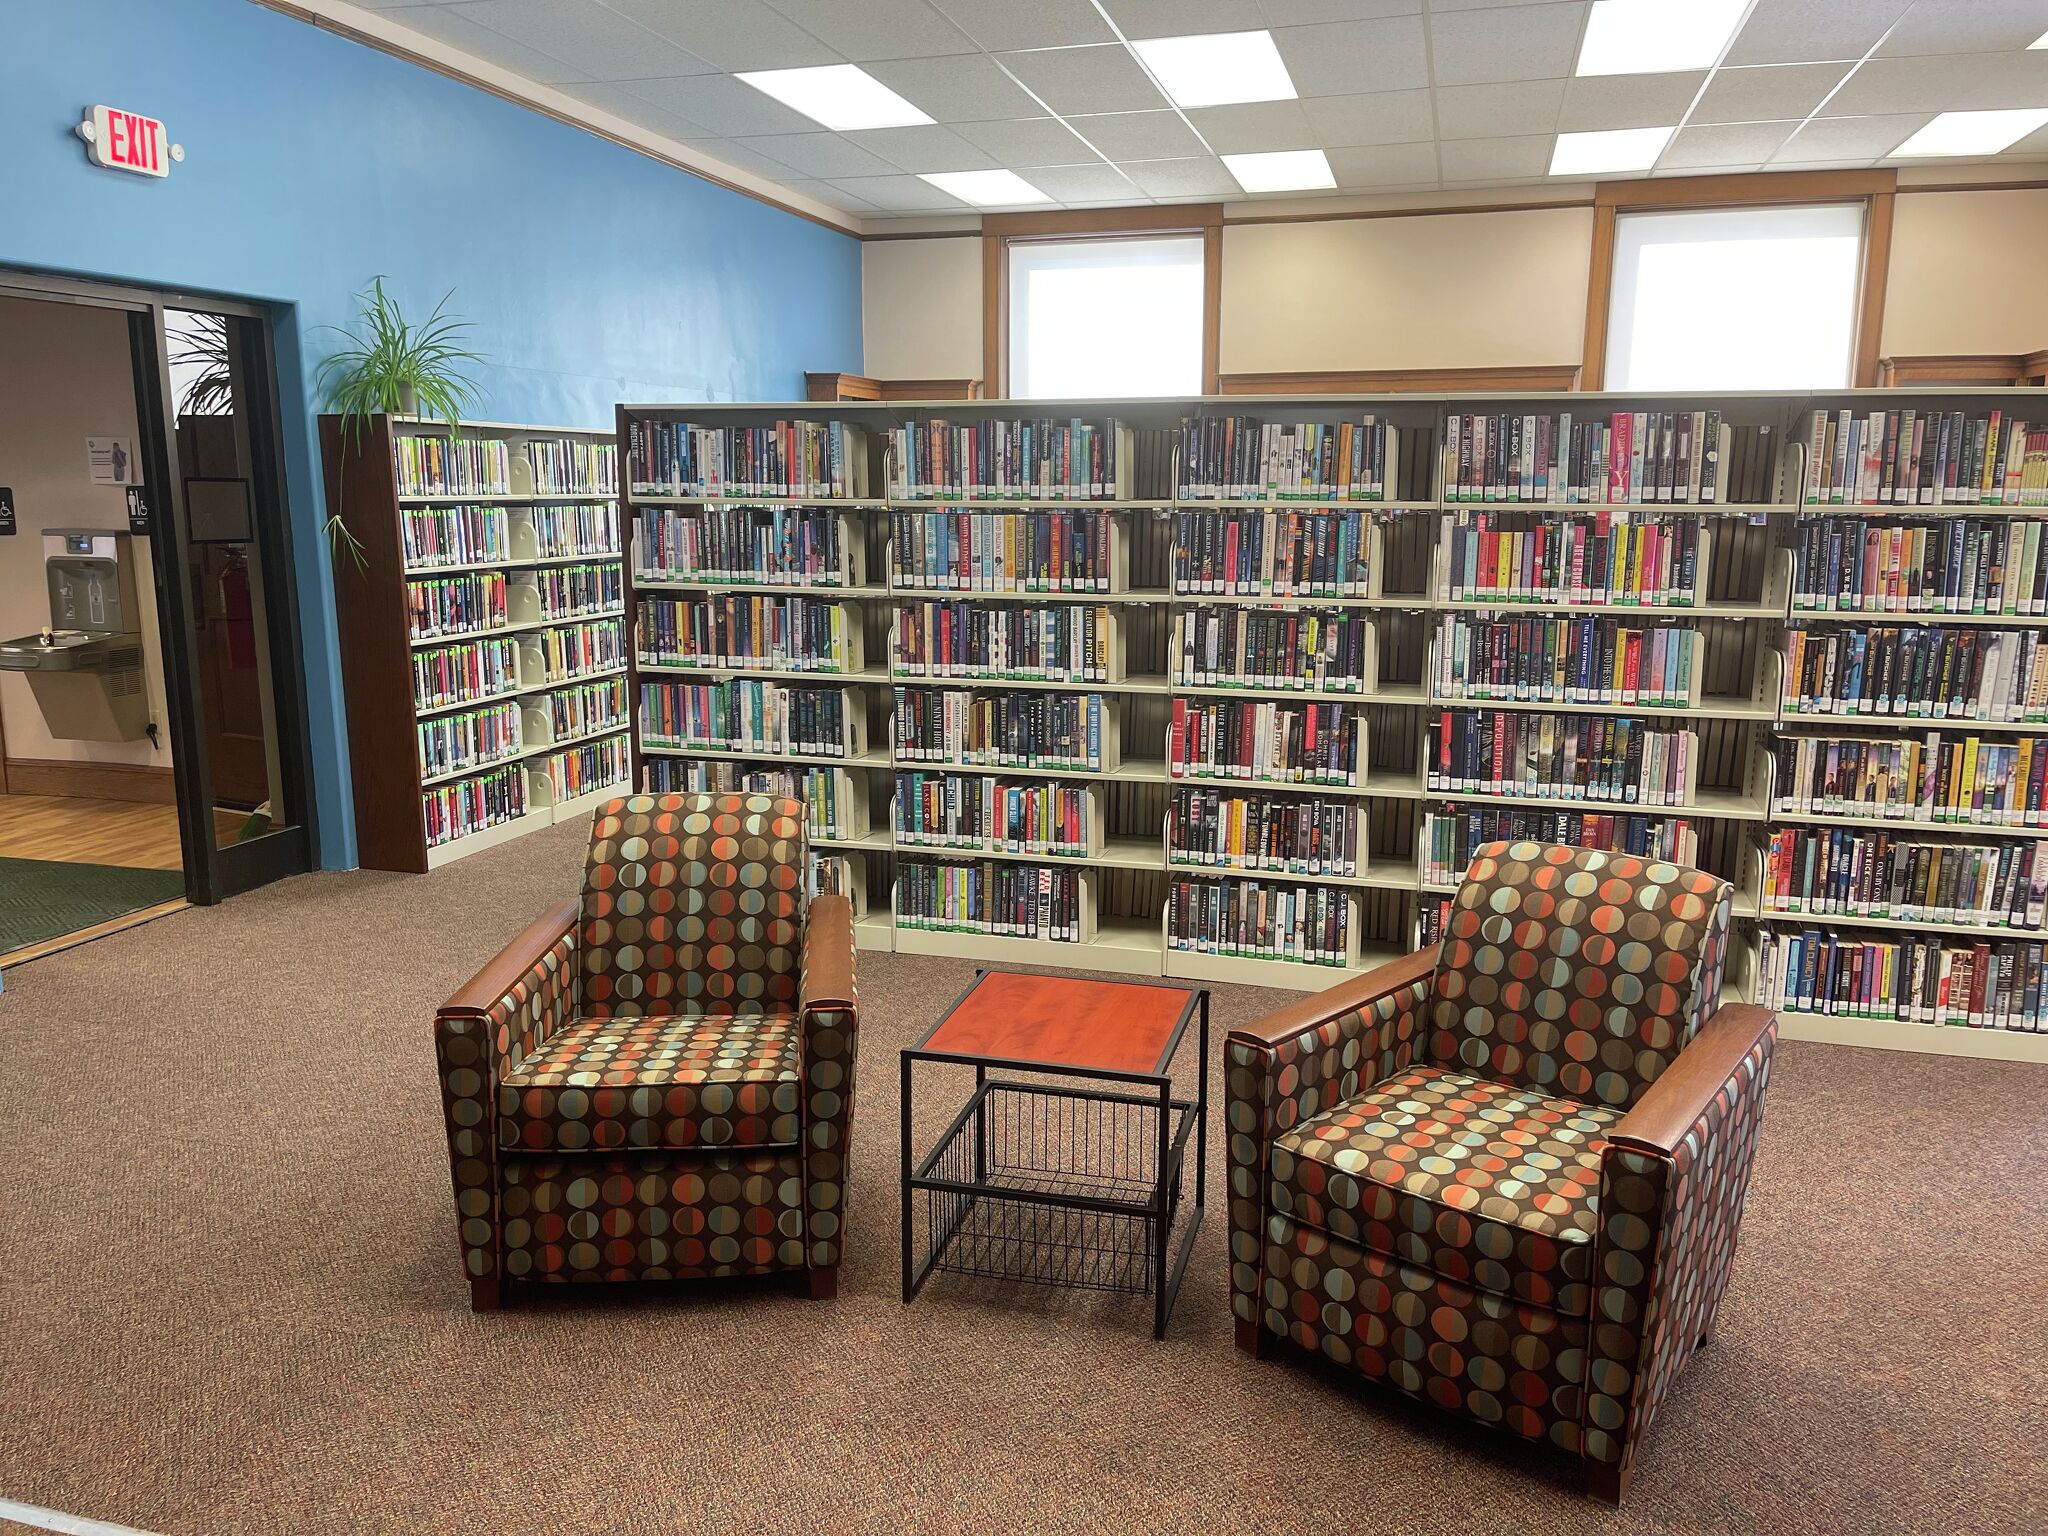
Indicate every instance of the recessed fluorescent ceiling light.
{"type": "Point", "coordinates": [986, 189]}
{"type": "Point", "coordinates": [2040, 42]}
{"type": "Point", "coordinates": [1284, 170]}
{"type": "Point", "coordinates": [1650, 37]}
{"type": "Point", "coordinates": [1611, 149]}
{"type": "Point", "coordinates": [838, 95]}
{"type": "Point", "coordinates": [1217, 68]}
{"type": "Point", "coordinates": [1974, 133]}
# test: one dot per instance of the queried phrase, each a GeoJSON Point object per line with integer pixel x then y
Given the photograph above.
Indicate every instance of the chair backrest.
{"type": "Point", "coordinates": [1577, 972]}
{"type": "Point", "coordinates": [694, 904]}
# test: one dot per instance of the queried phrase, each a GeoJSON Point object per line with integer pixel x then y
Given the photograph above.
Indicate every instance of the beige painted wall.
{"type": "Point", "coordinates": [920, 308]}
{"type": "Point", "coordinates": [1967, 273]}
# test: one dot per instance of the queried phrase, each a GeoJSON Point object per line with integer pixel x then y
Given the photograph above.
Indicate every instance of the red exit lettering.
{"type": "Point", "coordinates": [128, 141]}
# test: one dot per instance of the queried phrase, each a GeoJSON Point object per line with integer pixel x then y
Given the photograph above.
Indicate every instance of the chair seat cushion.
{"type": "Point", "coordinates": [1484, 1183]}
{"type": "Point", "coordinates": [666, 1081]}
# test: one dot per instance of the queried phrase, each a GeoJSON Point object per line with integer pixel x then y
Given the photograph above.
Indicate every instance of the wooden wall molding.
{"type": "Point", "coordinates": [858, 386]}
{"type": "Point", "coordinates": [1402, 381]}
{"type": "Point", "coordinates": [144, 783]}
{"type": "Point", "coordinates": [2018, 369]}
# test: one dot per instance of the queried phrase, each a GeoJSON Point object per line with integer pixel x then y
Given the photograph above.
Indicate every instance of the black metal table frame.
{"type": "Point", "coordinates": [1172, 1144]}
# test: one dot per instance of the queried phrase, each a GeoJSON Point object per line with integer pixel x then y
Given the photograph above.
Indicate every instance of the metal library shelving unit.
{"type": "Point", "coordinates": [478, 593]}
{"type": "Point", "coordinates": [1231, 703]}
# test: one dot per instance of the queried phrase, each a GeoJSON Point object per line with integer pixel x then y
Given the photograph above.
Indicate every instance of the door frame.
{"type": "Point", "coordinates": [211, 872]}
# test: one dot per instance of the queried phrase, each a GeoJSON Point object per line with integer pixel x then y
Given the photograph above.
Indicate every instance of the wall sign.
{"type": "Point", "coordinates": [128, 141]}
{"type": "Point", "coordinates": [111, 460]}
{"type": "Point", "coordinates": [138, 511]}
{"type": "Point", "coordinates": [6, 510]}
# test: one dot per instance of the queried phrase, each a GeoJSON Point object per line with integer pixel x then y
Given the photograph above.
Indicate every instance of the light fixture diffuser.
{"type": "Point", "coordinates": [1608, 151]}
{"type": "Point", "coordinates": [1654, 37]}
{"type": "Point", "coordinates": [841, 96]}
{"type": "Point", "coordinates": [986, 189]}
{"type": "Point", "coordinates": [1974, 133]}
{"type": "Point", "coordinates": [1282, 170]}
{"type": "Point", "coordinates": [1217, 68]}
{"type": "Point", "coordinates": [2040, 42]}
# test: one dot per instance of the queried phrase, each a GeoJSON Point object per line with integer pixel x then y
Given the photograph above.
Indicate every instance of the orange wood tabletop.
{"type": "Point", "coordinates": [1104, 1026]}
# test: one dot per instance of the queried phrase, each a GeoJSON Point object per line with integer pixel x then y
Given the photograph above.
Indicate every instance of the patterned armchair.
{"type": "Point", "coordinates": [656, 1082]}
{"type": "Point", "coordinates": [1505, 1175]}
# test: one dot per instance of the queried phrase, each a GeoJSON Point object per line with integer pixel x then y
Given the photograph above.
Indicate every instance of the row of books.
{"type": "Point", "coordinates": [1511, 558]}
{"type": "Point", "coordinates": [1935, 673]}
{"type": "Point", "coordinates": [749, 715]}
{"type": "Point", "coordinates": [1273, 554]}
{"type": "Point", "coordinates": [1259, 919]}
{"type": "Point", "coordinates": [1241, 458]}
{"type": "Point", "coordinates": [1965, 781]}
{"type": "Point", "coordinates": [1632, 458]}
{"type": "Point", "coordinates": [1267, 741]}
{"type": "Point", "coordinates": [1032, 460]}
{"type": "Point", "coordinates": [982, 728]}
{"type": "Point", "coordinates": [576, 528]}
{"type": "Point", "coordinates": [1018, 901]}
{"type": "Point", "coordinates": [1449, 837]}
{"type": "Point", "coordinates": [1275, 833]}
{"type": "Point", "coordinates": [428, 465]}
{"type": "Point", "coordinates": [1562, 757]}
{"type": "Point", "coordinates": [1433, 920]}
{"type": "Point", "coordinates": [834, 874]}
{"type": "Point", "coordinates": [802, 459]}
{"type": "Point", "coordinates": [1998, 985]}
{"type": "Point", "coordinates": [434, 536]}
{"type": "Point", "coordinates": [983, 814]}
{"type": "Point", "coordinates": [461, 674]}
{"type": "Point", "coordinates": [1565, 661]}
{"type": "Point", "coordinates": [582, 708]}
{"type": "Point", "coordinates": [1831, 871]}
{"type": "Point", "coordinates": [760, 546]}
{"type": "Point", "coordinates": [588, 767]}
{"type": "Point", "coordinates": [1061, 642]}
{"type": "Point", "coordinates": [449, 743]}
{"type": "Point", "coordinates": [462, 806]}
{"type": "Point", "coordinates": [1215, 645]}
{"type": "Point", "coordinates": [1069, 550]}
{"type": "Point", "coordinates": [571, 651]}
{"type": "Point", "coordinates": [832, 808]}
{"type": "Point", "coordinates": [574, 465]}
{"type": "Point", "coordinates": [1922, 458]}
{"type": "Point", "coordinates": [1962, 565]}
{"type": "Point", "coordinates": [467, 604]}
{"type": "Point", "coordinates": [787, 634]}
{"type": "Point", "coordinates": [570, 591]}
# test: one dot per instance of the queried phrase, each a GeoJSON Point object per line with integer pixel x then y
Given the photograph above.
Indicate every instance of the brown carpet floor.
{"type": "Point", "coordinates": [230, 1299]}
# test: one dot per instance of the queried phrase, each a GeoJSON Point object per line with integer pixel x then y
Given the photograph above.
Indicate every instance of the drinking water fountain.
{"type": "Point", "coordinates": [85, 665]}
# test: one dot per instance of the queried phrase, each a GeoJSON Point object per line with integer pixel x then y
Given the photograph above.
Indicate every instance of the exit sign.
{"type": "Point", "coordinates": [128, 141]}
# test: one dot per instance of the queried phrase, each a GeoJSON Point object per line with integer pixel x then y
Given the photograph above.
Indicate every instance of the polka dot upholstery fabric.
{"type": "Point", "coordinates": [830, 1035]}
{"type": "Point", "coordinates": [606, 1084]}
{"type": "Point", "coordinates": [1480, 1182]}
{"type": "Point", "coordinates": [1577, 972]}
{"type": "Point", "coordinates": [694, 903]}
{"type": "Point", "coordinates": [652, 1217]}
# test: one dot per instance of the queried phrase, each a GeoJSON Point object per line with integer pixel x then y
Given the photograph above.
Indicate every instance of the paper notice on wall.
{"type": "Point", "coordinates": [111, 460]}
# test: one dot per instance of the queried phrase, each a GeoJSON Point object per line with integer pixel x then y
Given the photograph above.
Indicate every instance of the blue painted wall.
{"type": "Point", "coordinates": [312, 164]}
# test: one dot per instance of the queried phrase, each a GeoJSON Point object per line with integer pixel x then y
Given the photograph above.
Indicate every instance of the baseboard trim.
{"type": "Point", "coordinates": [141, 782]}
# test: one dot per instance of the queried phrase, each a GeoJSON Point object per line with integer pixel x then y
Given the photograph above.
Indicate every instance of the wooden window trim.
{"type": "Point", "coordinates": [1875, 190]}
{"type": "Point", "coordinates": [998, 230]}
{"type": "Point", "coordinates": [1404, 381]}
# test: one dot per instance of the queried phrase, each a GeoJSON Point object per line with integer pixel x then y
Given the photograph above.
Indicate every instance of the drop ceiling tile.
{"type": "Point", "coordinates": [1495, 159]}
{"type": "Point", "coordinates": [1033, 141]}
{"type": "Point", "coordinates": [1084, 184]}
{"type": "Point", "coordinates": [820, 155]}
{"type": "Point", "coordinates": [1950, 82]}
{"type": "Point", "coordinates": [1304, 13]}
{"type": "Point", "coordinates": [1255, 127]}
{"type": "Point", "coordinates": [925, 148]}
{"type": "Point", "coordinates": [622, 102]}
{"type": "Point", "coordinates": [738, 155]}
{"type": "Point", "coordinates": [1724, 144]}
{"type": "Point", "coordinates": [877, 29]}
{"type": "Point", "coordinates": [1000, 24]}
{"type": "Point", "coordinates": [961, 88]}
{"type": "Point", "coordinates": [1709, 170]}
{"type": "Point", "coordinates": [1071, 80]}
{"type": "Point", "coordinates": [900, 194]}
{"type": "Point", "coordinates": [2033, 147]}
{"type": "Point", "coordinates": [1194, 176]}
{"type": "Point", "coordinates": [1384, 117]}
{"type": "Point", "coordinates": [1181, 18]}
{"type": "Point", "coordinates": [1595, 103]}
{"type": "Point", "coordinates": [1441, 6]}
{"type": "Point", "coordinates": [1766, 92]}
{"type": "Point", "coordinates": [1852, 138]}
{"type": "Point", "coordinates": [1966, 26]}
{"type": "Point", "coordinates": [733, 34]}
{"type": "Point", "coordinates": [723, 105]}
{"type": "Point", "coordinates": [1343, 58]}
{"type": "Point", "coordinates": [825, 192]}
{"type": "Point", "coordinates": [1138, 135]}
{"type": "Point", "coordinates": [492, 47]}
{"type": "Point", "coordinates": [1365, 167]}
{"type": "Point", "coordinates": [1495, 111]}
{"type": "Point", "coordinates": [1808, 31]}
{"type": "Point", "coordinates": [1528, 42]}
{"type": "Point", "coordinates": [602, 44]}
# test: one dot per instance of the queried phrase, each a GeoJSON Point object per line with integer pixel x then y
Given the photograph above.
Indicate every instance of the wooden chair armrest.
{"type": "Point", "coordinates": [1674, 1103]}
{"type": "Point", "coordinates": [1321, 1007]}
{"type": "Point", "coordinates": [828, 954]}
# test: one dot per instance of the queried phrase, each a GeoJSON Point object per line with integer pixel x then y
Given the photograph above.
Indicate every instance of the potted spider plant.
{"type": "Point", "coordinates": [389, 364]}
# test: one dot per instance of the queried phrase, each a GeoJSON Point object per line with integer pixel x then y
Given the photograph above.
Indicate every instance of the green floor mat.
{"type": "Point", "coordinates": [40, 899]}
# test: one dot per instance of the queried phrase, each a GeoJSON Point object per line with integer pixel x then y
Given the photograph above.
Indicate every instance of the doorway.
{"type": "Point", "coordinates": [152, 727]}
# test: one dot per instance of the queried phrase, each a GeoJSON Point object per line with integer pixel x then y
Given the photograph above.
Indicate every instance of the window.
{"type": "Point", "coordinates": [1736, 298]}
{"type": "Point", "coordinates": [1098, 319]}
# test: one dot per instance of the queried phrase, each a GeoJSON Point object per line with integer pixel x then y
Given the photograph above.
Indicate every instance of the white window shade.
{"type": "Point", "coordinates": [1098, 319]}
{"type": "Point", "coordinates": [1739, 298]}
